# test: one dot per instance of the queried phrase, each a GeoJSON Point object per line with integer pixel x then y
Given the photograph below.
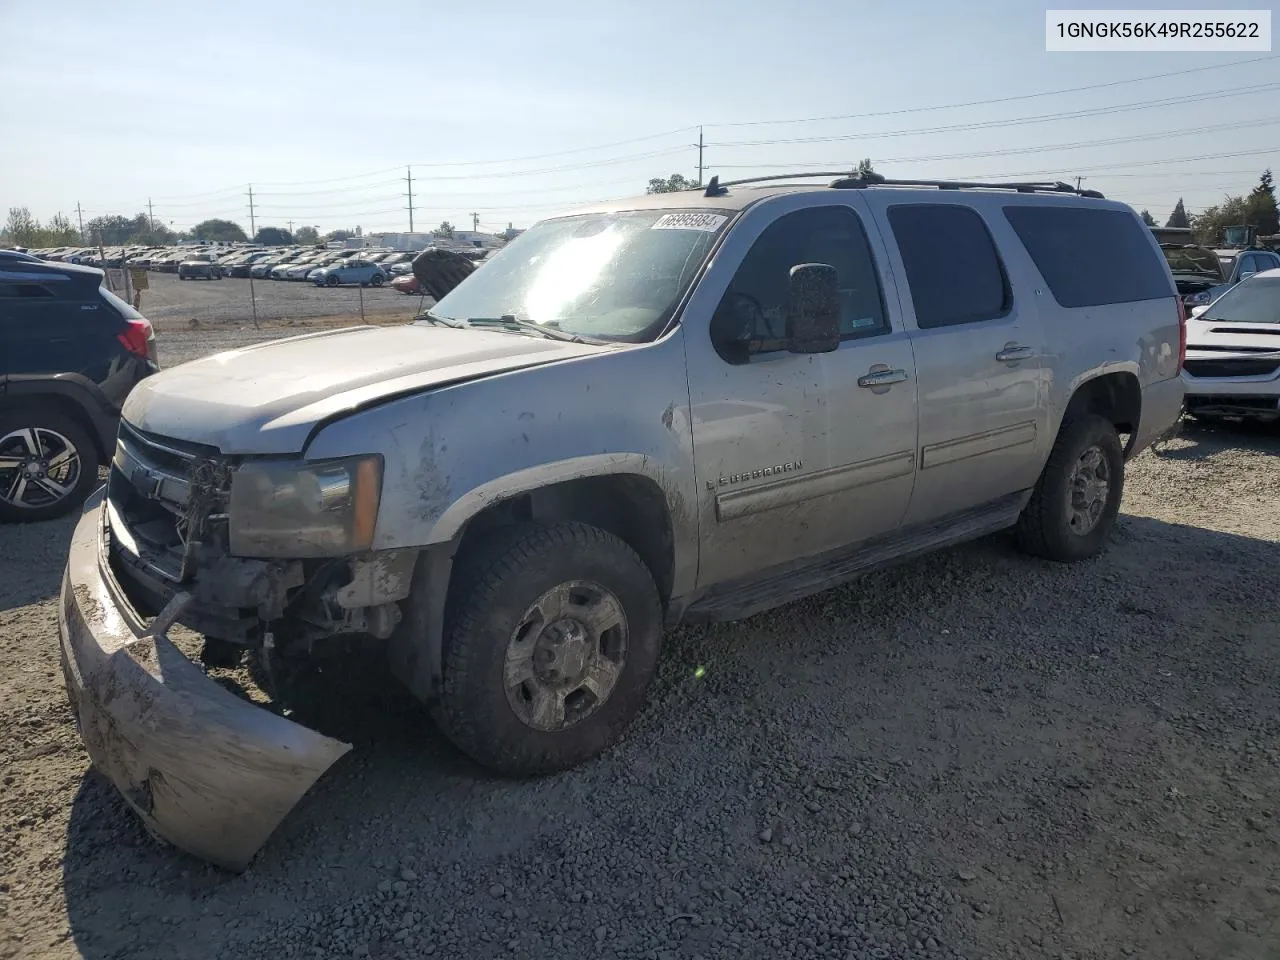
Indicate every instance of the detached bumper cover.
{"type": "Point", "coordinates": [205, 770]}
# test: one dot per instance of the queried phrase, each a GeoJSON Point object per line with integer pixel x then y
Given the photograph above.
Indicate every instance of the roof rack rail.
{"type": "Point", "coordinates": [844, 181]}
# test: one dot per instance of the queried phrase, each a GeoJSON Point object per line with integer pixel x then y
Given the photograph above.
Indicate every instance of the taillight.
{"type": "Point", "coordinates": [139, 339]}
{"type": "Point", "coordinates": [1182, 334]}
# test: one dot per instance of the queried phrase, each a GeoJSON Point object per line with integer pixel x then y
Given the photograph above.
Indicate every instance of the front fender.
{"type": "Point", "coordinates": [452, 452]}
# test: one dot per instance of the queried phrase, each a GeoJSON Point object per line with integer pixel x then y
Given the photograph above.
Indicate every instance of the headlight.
{"type": "Point", "coordinates": [323, 509]}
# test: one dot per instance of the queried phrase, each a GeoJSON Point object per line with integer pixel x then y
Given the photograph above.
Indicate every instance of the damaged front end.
{"type": "Point", "coordinates": [206, 770]}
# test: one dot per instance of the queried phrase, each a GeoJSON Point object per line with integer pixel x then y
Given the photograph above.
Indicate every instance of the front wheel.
{"type": "Point", "coordinates": [1073, 508]}
{"type": "Point", "coordinates": [377, 280]}
{"type": "Point", "coordinates": [551, 641]}
{"type": "Point", "coordinates": [331, 280]}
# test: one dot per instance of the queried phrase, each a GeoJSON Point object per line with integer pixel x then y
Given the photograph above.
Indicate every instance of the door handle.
{"type": "Point", "coordinates": [1013, 352]}
{"type": "Point", "coordinates": [881, 378]}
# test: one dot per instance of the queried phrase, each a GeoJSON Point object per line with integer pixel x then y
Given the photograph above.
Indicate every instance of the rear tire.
{"type": "Point", "coordinates": [1074, 505]}
{"type": "Point", "coordinates": [26, 497]}
{"type": "Point", "coordinates": [551, 640]}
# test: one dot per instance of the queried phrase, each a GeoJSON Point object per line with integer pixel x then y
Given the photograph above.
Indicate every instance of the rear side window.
{"type": "Point", "coordinates": [1091, 257]}
{"type": "Point", "coordinates": [953, 268]}
{"type": "Point", "coordinates": [24, 291]}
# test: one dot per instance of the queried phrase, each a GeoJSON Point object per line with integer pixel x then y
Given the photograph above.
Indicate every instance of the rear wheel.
{"type": "Point", "coordinates": [1073, 508]}
{"type": "Point", "coordinates": [48, 465]}
{"type": "Point", "coordinates": [551, 641]}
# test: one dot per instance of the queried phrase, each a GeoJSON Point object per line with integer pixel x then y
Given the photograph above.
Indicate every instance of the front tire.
{"type": "Point", "coordinates": [48, 465]}
{"type": "Point", "coordinates": [1073, 508]}
{"type": "Point", "coordinates": [332, 281]}
{"type": "Point", "coordinates": [551, 640]}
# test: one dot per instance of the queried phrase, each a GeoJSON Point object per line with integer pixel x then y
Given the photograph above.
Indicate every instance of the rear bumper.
{"type": "Point", "coordinates": [1161, 410]}
{"type": "Point", "coordinates": [207, 771]}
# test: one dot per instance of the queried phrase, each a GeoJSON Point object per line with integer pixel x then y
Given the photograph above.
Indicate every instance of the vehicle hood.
{"type": "Point", "coordinates": [267, 398]}
{"type": "Point", "coordinates": [1223, 339]}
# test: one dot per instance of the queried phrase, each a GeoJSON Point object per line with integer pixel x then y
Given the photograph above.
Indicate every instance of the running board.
{"type": "Point", "coordinates": [738, 599]}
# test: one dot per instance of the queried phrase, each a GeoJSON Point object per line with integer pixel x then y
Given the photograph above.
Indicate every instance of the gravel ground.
{"type": "Point", "coordinates": [169, 301]}
{"type": "Point", "coordinates": [974, 755]}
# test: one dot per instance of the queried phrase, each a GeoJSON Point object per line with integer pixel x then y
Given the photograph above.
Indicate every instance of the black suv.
{"type": "Point", "coordinates": [70, 352]}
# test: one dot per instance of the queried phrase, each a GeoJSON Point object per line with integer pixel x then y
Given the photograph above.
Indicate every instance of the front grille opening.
{"type": "Point", "coordinates": [1243, 367]}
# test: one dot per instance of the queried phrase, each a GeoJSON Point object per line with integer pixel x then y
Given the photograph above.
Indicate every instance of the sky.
{"type": "Point", "coordinates": [514, 111]}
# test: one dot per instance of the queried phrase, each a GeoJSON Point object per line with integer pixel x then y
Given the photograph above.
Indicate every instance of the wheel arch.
{"type": "Point", "coordinates": [1115, 394]}
{"type": "Point", "coordinates": [631, 505]}
{"type": "Point", "coordinates": [70, 398]}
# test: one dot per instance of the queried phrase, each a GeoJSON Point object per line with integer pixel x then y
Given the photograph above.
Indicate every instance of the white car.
{"type": "Point", "coordinates": [1233, 353]}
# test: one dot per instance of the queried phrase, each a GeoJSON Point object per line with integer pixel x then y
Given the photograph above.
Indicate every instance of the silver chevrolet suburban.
{"type": "Point", "coordinates": [685, 407]}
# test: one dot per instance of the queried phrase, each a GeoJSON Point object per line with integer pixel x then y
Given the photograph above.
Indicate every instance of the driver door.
{"type": "Point", "coordinates": [796, 454]}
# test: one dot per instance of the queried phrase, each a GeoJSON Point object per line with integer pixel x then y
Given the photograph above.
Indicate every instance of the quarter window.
{"type": "Point", "coordinates": [953, 269]}
{"type": "Point", "coordinates": [752, 316]}
{"type": "Point", "coordinates": [1091, 256]}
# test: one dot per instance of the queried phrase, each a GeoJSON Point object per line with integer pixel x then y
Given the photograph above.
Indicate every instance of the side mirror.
{"type": "Point", "coordinates": [1196, 311]}
{"type": "Point", "coordinates": [813, 309]}
{"type": "Point", "coordinates": [1246, 274]}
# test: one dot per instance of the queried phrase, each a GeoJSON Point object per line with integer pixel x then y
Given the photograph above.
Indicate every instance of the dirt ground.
{"type": "Point", "coordinates": [170, 303]}
{"type": "Point", "coordinates": [975, 755]}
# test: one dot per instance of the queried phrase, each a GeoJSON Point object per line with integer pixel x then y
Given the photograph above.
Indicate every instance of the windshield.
{"type": "Point", "coordinates": [1256, 300]}
{"type": "Point", "coordinates": [613, 275]}
{"type": "Point", "coordinates": [1192, 260]}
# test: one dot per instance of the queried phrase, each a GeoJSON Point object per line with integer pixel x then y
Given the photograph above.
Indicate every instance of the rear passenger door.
{"type": "Point", "coordinates": [978, 352]}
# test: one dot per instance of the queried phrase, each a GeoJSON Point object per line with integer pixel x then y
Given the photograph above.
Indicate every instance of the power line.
{"type": "Point", "coordinates": [994, 100]}
{"type": "Point", "coordinates": [1018, 121]}
{"type": "Point", "coordinates": [1140, 163]}
{"type": "Point", "coordinates": [1011, 151]}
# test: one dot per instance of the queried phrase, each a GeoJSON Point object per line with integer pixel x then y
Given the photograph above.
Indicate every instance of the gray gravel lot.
{"type": "Point", "coordinates": [974, 755]}
{"type": "Point", "coordinates": [169, 301]}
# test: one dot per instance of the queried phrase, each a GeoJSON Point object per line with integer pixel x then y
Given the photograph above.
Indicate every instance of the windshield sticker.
{"type": "Point", "coordinates": [707, 222]}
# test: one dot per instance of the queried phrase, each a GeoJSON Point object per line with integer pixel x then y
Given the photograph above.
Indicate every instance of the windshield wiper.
{"type": "Point", "coordinates": [440, 321]}
{"type": "Point", "coordinates": [511, 321]}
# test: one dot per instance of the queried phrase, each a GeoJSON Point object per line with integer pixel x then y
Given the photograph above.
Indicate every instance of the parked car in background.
{"type": "Point", "coordinates": [352, 270]}
{"type": "Point", "coordinates": [70, 353]}
{"type": "Point", "coordinates": [299, 269]}
{"type": "Point", "coordinates": [1196, 270]}
{"type": "Point", "coordinates": [401, 267]}
{"type": "Point", "coordinates": [1236, 265]}
{"type": "Point", "coordinates": [202, 266]}
{"type": "Point", "coordinates": [262, 269]}
{"type": "Point", "coordinates": [406, 283]}
{"type": "Point", "coordinates": [1233, 353]}
{"type": "Point", "coordinates": [242, 266]}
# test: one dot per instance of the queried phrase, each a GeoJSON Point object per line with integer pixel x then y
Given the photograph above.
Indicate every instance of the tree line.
{"type": "Point", "coordinates": [1256, 209]}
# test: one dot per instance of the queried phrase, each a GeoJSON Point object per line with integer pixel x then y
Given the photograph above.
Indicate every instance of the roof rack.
{"type": "Point", "coordinates": [846, 181]}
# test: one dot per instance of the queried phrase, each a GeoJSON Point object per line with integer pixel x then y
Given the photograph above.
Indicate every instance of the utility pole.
{"type": "Point", "coordinates": [409, 180]}
{"type": "Point", "coordinates": [1078, 179]}
{"type": "Point", "coordinates": [80, 218]}
{"type": "Point", "coordinates": [699, 145]}
{"type": "Point", "coordinates": [151, 217]}
{"type": "Point", "coordinates": [475, 221]}
{"type": "Point", "coordinates": [290, 228]}
{"type": "Point", "coordinates": [253, 228]}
